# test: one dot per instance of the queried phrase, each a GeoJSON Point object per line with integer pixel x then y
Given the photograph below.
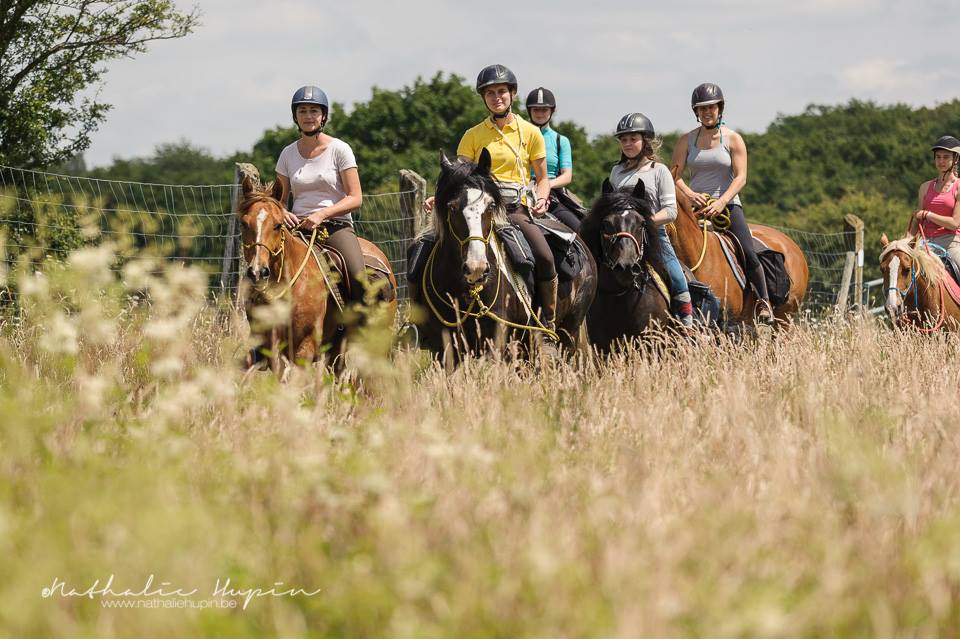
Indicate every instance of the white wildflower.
{"type": "Point", "coordinates": [60, 336]}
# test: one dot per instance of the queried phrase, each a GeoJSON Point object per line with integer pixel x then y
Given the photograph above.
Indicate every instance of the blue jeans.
{"type": "Point", "coordinates": [678, 283]}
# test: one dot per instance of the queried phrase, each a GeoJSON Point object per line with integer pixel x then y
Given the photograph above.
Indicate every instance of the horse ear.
{"type": "Point", "coordinates": [485, 161]}
{"type": "Point", "coordinates": [639, 191]}
{"type": "Point", "coordinates": [606, 187]}
{"type": "Point", "coordinates": [445, 162]}
{"type": "Point", "coordinates": [247, 186]}
{"type": "Point", "coordinates": [884, 240]}
{"type": "Point", "coordinates": [277, 191]}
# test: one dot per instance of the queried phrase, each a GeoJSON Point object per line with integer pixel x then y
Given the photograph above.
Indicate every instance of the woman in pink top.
{"type": "Point", "coordinates": [939, 214]}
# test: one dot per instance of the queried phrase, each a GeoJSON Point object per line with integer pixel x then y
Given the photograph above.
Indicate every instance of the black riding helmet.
{"type": "Point", "coordinates": [496, 74]}
{"type": "Point", "coordinates": [706, 94]}
{"type": "Point", "coordinates": [310, 95]}
{"type": "Point", "coordinates": [541, 97]}
{"type": "Point", "coordinates": [947, 143]}
{"type": "Point", "coordinates": [635, 123]}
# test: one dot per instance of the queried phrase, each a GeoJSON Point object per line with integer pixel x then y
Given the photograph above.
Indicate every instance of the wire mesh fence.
{"type": "Point", "coordinates": [47, 214]}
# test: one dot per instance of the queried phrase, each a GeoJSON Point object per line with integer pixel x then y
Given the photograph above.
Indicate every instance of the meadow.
{"type": "Point", "coordinates": [798, 486]}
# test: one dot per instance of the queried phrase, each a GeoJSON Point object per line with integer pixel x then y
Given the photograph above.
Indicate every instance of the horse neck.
{"type": "Point", "coordinates": [689, 234]}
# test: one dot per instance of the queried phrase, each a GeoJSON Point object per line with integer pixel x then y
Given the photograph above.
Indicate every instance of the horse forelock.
{"type": "Point", "coordinates": [453, 183]}
{"type": "Point", "coordinates": [616, 202]}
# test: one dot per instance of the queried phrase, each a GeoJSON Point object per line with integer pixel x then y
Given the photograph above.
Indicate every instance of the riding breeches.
{"type": "Point", "coordinates": [751, 263]}
{"type": "Point", "coordinates": [545, 268]}
{"type": "Point", "coordinates": [565, 215]}
{"type": "Point", "coordinates": [344, 240]}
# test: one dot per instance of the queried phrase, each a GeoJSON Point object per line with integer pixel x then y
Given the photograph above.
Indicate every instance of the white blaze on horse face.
{"type": "Point", "coordinates": [476, 261]}
{"type": "Point", "coordinates": [893, 289]}
{"type": "Point", "coordinates": [255, 262]}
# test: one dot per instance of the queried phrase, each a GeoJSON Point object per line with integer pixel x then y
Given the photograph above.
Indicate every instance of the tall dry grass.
{"type": "Point", "coordinates": [800, 487]}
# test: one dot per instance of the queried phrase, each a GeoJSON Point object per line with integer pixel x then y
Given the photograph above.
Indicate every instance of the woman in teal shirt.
{"type": "Point", "coordinates": [541, 105]}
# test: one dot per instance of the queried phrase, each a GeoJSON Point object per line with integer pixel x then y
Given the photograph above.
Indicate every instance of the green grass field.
{"type": "Point", "coordinates": [805, 486]}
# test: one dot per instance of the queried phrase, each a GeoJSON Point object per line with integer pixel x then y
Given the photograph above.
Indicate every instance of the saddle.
{"type": "Point", "coordinates": [331, 261]}
{"type": "Point", "coordinates": [773, 263]}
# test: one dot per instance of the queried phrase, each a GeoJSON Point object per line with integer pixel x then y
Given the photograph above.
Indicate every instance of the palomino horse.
{"type": "Point", "coordinates": [620, 232]}
{"type": "Point", "coordinates": [472, 298]}
{"type": "Point", "coordinates": [280, 264]}
{"type": "Point", "coordinates": [915, 287]}
{"type": "Point", "coordinates": [703, 255]}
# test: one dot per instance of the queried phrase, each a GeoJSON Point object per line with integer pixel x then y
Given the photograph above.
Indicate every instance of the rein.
{"type": "Point", "coordinates": [720, 221]}
{"type": "Point", "coordinates": [483, 309]}
{"type": "Point", "coordinates": [322, 234]}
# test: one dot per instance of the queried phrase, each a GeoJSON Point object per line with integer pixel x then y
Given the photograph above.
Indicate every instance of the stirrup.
{"type": "Point", "coordinates": [764, 313]}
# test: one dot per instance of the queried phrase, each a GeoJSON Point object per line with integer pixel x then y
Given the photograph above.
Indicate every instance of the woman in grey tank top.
{"type": "Point", "coordinates": [716, 157]}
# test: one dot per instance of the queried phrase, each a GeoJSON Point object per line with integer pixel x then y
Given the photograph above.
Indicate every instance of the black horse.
{"type": "Point", "coordinates": [620, 232]}
{"type": "Point", "coordinates": [471, 299]}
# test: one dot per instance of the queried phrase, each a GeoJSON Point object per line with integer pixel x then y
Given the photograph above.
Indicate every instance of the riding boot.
{"type": "Point", "coordinates": [764, 311]}
{"type": "Point", "coordinates": [547, 292]}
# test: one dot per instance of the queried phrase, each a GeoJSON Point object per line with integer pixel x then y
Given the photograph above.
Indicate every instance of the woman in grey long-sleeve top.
{"type": "Point", "coordinates": [639, 162]}
{"type": "Point", "coordinates": [717, 158]}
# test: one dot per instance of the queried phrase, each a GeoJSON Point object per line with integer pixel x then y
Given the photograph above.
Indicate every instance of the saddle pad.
{"type": "Point", "coordinates": [661, 286]}
{"type": "Point", "coordinates": [519, 284]}
{"type": "Point", "coordinates": [952, 288]}
{"type": "Point", "coordinates": [731, 250]}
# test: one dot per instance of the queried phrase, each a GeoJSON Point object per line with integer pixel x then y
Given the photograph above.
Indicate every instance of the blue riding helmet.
{"type": "Point", "coordinates": [309, 95]}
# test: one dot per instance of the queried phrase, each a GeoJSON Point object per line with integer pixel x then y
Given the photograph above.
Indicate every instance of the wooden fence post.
{"type": "Point", "coordinates": [855, 228]}
{"type": "Point", "coordinates": [413, 189]}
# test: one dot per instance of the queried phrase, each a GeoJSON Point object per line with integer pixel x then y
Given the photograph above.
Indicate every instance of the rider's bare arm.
{"type": "Point", "coordinates": [564, 178]}
{"type": "Point", "coordinates": [289, 218]}
{"type": "Point", "coordinates": [543, 186]}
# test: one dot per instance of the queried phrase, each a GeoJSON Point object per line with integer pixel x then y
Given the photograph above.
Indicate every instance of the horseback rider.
{"type": "Point", "coordinates": [717, 158]}
{"type": "Point", "coordinates": [516, 147]}
{"type": "Point", "coordinates": [541, 105]}
{"type": "Point", "coordinates": [938, 213]}
{"type": "Point", "coordinates": [639, 162]}
{"type": "Point", "coordinates": [321, 172]}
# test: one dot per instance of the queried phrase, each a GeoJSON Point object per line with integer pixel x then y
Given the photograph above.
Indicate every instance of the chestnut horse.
{"type": "Point", "coordinates": [280, 265]}
{"type": "Point", "coordinates": [620, 232]}
{"type": "Point", "coordinates": [913, 280]}
{"type": "Point", "coordinates": [710, 265]}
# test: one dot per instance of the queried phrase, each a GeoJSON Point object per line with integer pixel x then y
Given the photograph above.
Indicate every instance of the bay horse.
{"type": "Point", "coordinates": [472, 298]}
{"type": "Point", "coordinates": [913, 280]}
{"type": "Point", "coordinates": [702, 254]}
{"type": "Point", "coordinates": [621, 235]}
{"type": "Point", "coordinates": [281, 265]}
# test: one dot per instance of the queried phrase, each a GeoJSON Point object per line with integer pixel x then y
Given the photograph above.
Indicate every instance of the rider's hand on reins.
{"type": "Point", "coordinates": [290, 219]}
{"type": "Point", "coordinates": [540, 208]}
{"type": "Point", "coordinates": [699, 200]}
{"type": "Point", "coordinates": [713, 209]}
{"type": "Point", "coordinates": [428, 204]}
{"type": "Point", "coordinates": [308, 223]}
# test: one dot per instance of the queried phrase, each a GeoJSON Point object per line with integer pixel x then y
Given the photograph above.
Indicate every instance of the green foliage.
{"type": "Point", "coordinates": [52, 52]}
{"type": "Point", "coordinates": [173, 163]}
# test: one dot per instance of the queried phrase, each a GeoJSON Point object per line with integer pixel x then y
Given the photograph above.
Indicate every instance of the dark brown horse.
{"type": "Point", "coordinates": [710, 266]}
{"type": "Point", "coordinates": [621, 235]}
{"type": "Point", "coordinates": [281, 266]}
{"type": "Point", "coordinates": [471, 297]}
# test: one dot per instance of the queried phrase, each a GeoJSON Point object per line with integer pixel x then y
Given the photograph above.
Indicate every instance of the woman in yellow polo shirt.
{"type": "Point", "coordinates": [516, 146]}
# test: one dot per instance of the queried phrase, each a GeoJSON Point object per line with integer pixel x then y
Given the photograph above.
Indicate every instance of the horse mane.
{"type": "Point", "coordinates": [929, 266]}
{"type": "Point", "coordinates": [263, 195]}
{"type": "Point", "coordinates": [455, 178]}
{"type": "Point", "coordinates": [620, 200]}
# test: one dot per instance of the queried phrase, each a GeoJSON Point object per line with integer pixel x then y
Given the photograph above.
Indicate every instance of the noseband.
{"type": "Point", "coordinates": [611, 238]}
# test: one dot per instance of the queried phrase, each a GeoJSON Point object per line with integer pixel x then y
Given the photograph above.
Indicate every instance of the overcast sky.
{"type": "Point", "coordinates": [223, 85]}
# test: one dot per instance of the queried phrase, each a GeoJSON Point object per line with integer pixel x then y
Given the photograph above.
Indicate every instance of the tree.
{"type": "Point", "coordinates": [51, 51]}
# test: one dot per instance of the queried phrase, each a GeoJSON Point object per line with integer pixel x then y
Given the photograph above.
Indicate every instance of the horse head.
{"type": "Point", "coordinates": [620, 232]}
{"type": "Point", "coordinates": [261, 229]}
{"type": "Point", "coordinates": [905, 268]}
{"type": "Point", "coordinates": [468, 206]}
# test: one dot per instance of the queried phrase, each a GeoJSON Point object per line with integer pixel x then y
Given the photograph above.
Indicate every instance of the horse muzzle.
{"type": "Point", "coordinates": [476, 272]}
{"type": "Point", "coordinates": [258, 274]}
